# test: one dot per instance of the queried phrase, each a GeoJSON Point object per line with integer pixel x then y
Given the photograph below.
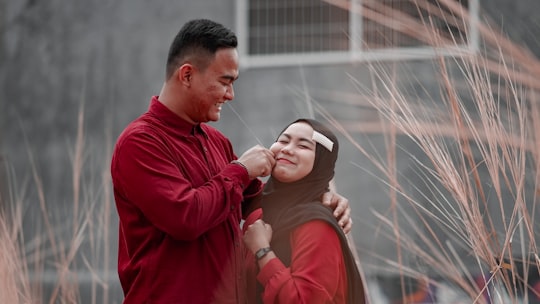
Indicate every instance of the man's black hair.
{"type": "Point", "coordinates": [200, 38]}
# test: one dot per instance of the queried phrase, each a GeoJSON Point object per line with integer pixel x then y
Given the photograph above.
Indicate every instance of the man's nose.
{"type": "Point", "coordinates": [229, 94]}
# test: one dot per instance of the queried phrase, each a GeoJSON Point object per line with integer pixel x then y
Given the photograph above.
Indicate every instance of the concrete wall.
{"type": "Point", "coordinates": [107, 57]}
{"type": "Point", "coordinates": [57, 57]}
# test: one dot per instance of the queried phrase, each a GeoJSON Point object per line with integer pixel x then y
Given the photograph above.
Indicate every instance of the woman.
{"type": "Point", "coordinates": [299, 254]}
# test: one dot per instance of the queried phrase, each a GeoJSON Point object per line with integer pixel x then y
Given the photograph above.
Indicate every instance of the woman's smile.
{"type": "Point", "coordinates": [284, 161]}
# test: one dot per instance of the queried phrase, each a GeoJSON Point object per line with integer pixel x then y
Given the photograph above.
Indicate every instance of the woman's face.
{"type": "Point", "coordinates": [294, 152]}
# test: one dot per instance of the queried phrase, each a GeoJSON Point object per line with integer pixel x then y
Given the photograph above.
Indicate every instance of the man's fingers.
{"type": "Point", "coordinates": [344, 217]}
{"type": "Point", "coordinates": [327, 199]}
{"type": "Point", "coordinates": [269, 163]}
{"type": "Point", "coordinates": [338, 211]}
{"type": "Point", "coordinates": [271, 159]}
{"type": "Point", "coordinates": [348, 227]}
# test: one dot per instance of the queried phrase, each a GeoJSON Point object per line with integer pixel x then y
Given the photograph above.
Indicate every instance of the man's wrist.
{"type": "Point", "coordinates": [236, 162]}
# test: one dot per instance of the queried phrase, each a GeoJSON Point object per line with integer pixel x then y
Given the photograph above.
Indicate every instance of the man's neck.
{"type": "Point", "coordinates": [170, 99]}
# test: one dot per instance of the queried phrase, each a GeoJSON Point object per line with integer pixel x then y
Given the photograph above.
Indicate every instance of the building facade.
{"type": "Point", "coordinates": [72, 75]}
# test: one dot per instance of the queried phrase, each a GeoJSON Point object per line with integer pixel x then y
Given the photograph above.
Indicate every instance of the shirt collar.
{"type": "Point", "coordinates": [177, 125]}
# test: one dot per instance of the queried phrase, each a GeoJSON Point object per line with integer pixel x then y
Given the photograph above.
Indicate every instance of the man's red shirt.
{"type": "Point", "coordinates": [179, 203]}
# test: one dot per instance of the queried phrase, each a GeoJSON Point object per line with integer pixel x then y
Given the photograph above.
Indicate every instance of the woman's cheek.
{"type": "Point", "coordinates": [275, 148]}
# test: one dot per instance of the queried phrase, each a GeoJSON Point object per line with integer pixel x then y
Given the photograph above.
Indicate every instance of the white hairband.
{"type": "Point", "coordinates": [323, 140]}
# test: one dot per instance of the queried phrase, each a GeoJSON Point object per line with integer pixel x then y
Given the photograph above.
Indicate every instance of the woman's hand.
{"type": "Point", "coordinates": [258, 235]}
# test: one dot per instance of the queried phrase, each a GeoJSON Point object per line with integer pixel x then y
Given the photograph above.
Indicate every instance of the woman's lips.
{"type": "Point", "coordinates": [284, 161]}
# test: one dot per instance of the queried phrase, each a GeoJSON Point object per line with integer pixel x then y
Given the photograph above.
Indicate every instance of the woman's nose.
{"type": "Point", "coordinates": [287, 149]}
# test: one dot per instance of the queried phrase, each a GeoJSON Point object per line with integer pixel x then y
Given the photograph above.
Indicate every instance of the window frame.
{"type": "Point", "coordinates": [356, 52]}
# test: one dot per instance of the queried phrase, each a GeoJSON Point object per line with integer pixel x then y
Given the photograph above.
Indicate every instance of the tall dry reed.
{"type": "Point", "coordinates": [52, 255]}
{"type": "Point", "coordinates": [470, 212]}
{"type": "Point", "coordinates": [477, 191]}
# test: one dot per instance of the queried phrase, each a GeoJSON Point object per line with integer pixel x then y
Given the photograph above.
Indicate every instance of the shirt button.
{"type": "Point", "coordinates": [232, 207]}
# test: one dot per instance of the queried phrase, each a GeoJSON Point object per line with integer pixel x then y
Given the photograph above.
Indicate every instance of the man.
{"type": "Point", "coordinates": [180, 189]}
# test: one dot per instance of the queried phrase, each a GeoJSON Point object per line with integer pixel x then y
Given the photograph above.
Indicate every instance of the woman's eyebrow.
{"type": "Point", "coordinates": [301, 139]}
{"type": "Point", "coordinates": [285, 134]}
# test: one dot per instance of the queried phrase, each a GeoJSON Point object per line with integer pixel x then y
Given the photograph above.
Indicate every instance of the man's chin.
{"type": "Point", "coordinates": [212, 119]}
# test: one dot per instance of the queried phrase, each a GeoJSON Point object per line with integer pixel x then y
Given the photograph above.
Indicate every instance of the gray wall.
{"type": "Point", "coordinates": [108, 58]}
{"type": "Point", "coordinates": [56, 57]}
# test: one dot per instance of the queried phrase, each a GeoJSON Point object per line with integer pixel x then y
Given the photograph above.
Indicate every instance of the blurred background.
{"type": "Point", "coordinates": [73, 74]}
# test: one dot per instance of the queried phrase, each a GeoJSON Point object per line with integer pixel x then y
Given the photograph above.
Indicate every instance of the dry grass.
{"type": "Point", "coordinates": [13, 275]}
{"type": "Point", "coordinates": [41, 260]}
{"type": "Point", "coordinates": [479, 136]}
{"type": "Point", "coordinates": [479, 178]}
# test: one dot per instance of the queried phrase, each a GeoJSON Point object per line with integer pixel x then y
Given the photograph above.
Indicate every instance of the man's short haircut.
{"type": "Point", "coordinates": [197, 41]}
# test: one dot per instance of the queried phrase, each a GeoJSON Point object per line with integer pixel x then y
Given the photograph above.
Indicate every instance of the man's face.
{"type": "Point", "coordinates": [214, 86]}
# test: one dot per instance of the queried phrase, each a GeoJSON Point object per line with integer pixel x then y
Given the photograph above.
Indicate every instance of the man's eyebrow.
{"type": "Point", "coordinates": [229, 77]}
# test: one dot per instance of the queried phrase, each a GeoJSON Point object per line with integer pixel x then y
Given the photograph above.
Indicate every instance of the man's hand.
{"type": "Point", "coordinates": [342, 210]}
{"type": "Point", "coordinates": [258, 161]}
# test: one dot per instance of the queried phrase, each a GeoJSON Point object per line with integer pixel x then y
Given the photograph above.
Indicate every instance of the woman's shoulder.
{"type": "Point", "coordinates": [317, 235]}
{"type": "Point", "coordinates": [315, 226]}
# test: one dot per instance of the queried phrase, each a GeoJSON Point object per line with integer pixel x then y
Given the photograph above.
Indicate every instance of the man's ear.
{"type": "Point", "coordinates": [184, 74]}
